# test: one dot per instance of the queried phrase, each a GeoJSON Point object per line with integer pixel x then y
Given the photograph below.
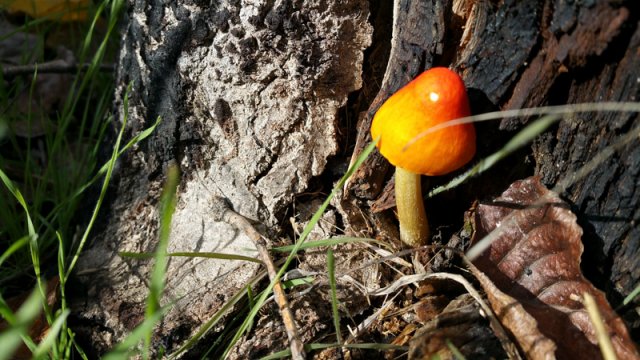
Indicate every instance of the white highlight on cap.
{"type": "Point", "coordinates": [434, 97]}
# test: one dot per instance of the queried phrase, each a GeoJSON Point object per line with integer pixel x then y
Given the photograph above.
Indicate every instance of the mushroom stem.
{"type": "Point", "coordinates": [414, 227]}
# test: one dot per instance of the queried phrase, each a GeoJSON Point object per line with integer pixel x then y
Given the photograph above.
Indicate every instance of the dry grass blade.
{"type": "Point", "coordinates": [501, 334]}
{"type": "Point", "coordinates": [482, 245]}
{"type": "Point", "coordinates": [334, 297]}
{"type": "Point", "coordinates": [542, 110]}
{"type": "Point", "coordinates": [604, 341]}
{"type": "Point", "coordinates": [388, 255]}
{"type": "Point", "coordinates": [296, 345]}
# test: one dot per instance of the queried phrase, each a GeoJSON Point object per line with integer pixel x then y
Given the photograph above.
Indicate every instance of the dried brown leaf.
{"type": "Point", "coordinates": [536, 260]}
{"type": "Point", "coordinates": [517, 320]}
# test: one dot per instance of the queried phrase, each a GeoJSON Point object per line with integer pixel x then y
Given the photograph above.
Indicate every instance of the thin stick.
{"type": "Point", "coordinates": [296, 345]}
{"type": "Point", "coordinates": [51, 67]}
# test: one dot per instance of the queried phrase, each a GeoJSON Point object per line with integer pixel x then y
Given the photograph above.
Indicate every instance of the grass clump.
{"type": "Point", "coordinates": [55, 102]}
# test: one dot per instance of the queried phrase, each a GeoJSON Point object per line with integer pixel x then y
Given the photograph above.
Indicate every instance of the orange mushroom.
{"type": "Point", "coordinates": [436, 96]}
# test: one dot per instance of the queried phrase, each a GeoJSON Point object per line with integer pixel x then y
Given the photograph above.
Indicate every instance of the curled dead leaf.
{"type": "Point", "coordinates": [513, 316]}
{"type": "Point", "coordinates": [536, 260]}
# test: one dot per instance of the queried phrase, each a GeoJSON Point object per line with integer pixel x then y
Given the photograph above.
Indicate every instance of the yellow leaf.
{"type": "Point", "coordinates": [60, 10]}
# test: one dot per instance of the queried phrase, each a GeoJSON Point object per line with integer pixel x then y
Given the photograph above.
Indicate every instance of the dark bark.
{"type": "Point", "coordinates": [588, 53]}
{"type": "Point", "coordinates": [608, 200]}
{"type": "Point", "coordinates": [517, 54]}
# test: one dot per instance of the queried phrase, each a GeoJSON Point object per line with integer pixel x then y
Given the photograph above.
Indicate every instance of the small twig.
{"type": "Point", "coordinates": [232, 217]}
{"type": "Point", "coordinates": [51, 67]}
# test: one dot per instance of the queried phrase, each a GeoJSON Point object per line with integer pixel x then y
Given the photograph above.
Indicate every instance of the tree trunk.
{"type": "Point", "coordinates": [253, 102]}
{"type": "Point", "coordinates": [248, 95]}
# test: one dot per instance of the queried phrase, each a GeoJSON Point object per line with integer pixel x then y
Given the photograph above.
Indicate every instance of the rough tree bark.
{"type": "Point", "coordinates": [518, 54]}
{"type": "Point", "coordinates": [250, 95]}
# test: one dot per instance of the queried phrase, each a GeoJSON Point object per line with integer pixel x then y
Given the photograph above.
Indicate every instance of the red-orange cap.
{"type": "Point", "coordinates": [436, 96]}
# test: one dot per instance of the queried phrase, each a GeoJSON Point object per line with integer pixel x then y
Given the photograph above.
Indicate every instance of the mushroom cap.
{"type": "Point", "coordinates": [436, 96]}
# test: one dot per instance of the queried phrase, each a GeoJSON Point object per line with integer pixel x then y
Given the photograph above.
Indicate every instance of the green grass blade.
{"type": "Point", "coordinates": [124, 349]}
{"type": "Point", "coordinates": [105, 186]}
{"type": "Point", "coordinates": [206, 255]}
{"type": "Point", "coordinates": [33, 239]}
{"type": "Point", "coordinates": [167, 208]}
{"type": "Point", "coordinates": [109, 164]}
{"type": "Point", "coordinates": [64, 339]}
{"type": "Point", "coordinates": [49, 341]}
{"type": "Point", "coordinates": [77, 347]}
{"type": "Point", "coordinates": [3, 129]}
{"type": "Point", "coordinates": [18, 196]}
{"type": "Point", "coordinates": [11, 338]}
{"type": "Point", "coordinates": [334, 296]}
{"type": "Point", "coordinates": [204, 329]}
{"type": "Point", "coordinates": [631, 296]}
{"type": "Point", "coordinates": [522, 138]}
{"type": "Point", "coordinates": [6, 312]}
{"type": "Point", "coordinates": [136, 139]}
{"type": "Point", "coordinates": [310, 225]}
{"type": "Point", "coordinates": [156, 286]}
{"type": "Point", "coordinates": [219, 256]}
{"type": "Point", "coordinates": [454, 350]}
{"type": "Point", "coordinates": [251, 299]}
{"type": "Point", "coordinates": [29, 157]}
{"type": "Point", "coordinates": [15, 246]}
{"type": "Point", "coordinates": [61, 265]}
{"type": "Point", "coordinates": [290, 284]}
